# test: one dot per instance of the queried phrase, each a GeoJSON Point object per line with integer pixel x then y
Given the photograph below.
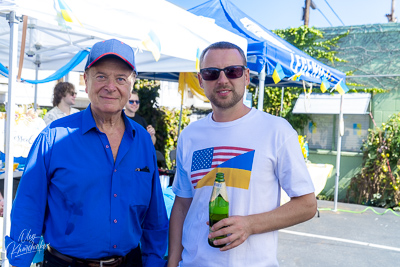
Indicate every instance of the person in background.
{"type": "Point", "coordinates": [258, 153]}
{"type": "Point", "coordinates": [91, 184]}
{"type": "Point", "coordinates": [63, 99]}
{"type": "Point", "coordinates": [131, 109]}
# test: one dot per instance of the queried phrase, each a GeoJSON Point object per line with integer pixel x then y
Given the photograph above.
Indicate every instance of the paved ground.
{"type": "Point", "coordinates": [342, 239]}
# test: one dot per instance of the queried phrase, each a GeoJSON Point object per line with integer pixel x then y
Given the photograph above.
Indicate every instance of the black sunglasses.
{"type": "Point", "coordinates": [231, 72]}
{"type": "Point", "coordinates": [73, 93]}
{"type": "Point", "coordinates": [134, 101]}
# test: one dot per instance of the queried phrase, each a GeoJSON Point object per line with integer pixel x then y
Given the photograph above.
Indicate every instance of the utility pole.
{"type": "Point", "coordinates": [306, 17]}
{"type": "Point", "coordinates": [391, 17]}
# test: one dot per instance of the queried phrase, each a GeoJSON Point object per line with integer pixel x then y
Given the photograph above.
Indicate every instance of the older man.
{"type": "Point", "coordinates": [91, 184]}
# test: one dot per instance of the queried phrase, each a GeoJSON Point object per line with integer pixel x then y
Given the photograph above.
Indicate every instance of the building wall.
{"type": "Point", "coordinates": [384, 105]}
{"type": "Point", "coordinates": [350, 163]}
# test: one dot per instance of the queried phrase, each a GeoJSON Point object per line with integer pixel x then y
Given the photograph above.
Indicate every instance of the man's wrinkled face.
{"type": "Point", "coordinates": [108, 84]}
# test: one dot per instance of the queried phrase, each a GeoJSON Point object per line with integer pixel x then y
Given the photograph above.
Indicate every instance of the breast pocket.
{"type": "Point", "coordinates": [139, 186]}
{"type": "Point", "coordinates": [139, 189]}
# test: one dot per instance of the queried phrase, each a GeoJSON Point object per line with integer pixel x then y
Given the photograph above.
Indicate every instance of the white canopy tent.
{"type": "Point", "coordinates": [180, 33]}
{"type": "Point", "coordinates": [51, 42]}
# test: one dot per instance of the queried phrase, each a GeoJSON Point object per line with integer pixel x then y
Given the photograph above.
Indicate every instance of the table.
{"type": "Point", "coordinates": [17, 177]}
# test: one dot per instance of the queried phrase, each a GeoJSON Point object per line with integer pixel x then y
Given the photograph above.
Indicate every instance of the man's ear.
{"type": "Point", "coordinates": [200, 80]}
{"type": "Point", "coordinates": [85, 77]}
{"type": "Point", "coordinates": [247, 76]}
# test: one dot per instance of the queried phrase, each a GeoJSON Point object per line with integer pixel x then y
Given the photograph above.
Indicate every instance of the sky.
{"type": "Point", "coordinates": [282, 14]}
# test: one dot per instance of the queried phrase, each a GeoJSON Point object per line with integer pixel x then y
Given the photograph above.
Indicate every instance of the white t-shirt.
{"type": "Point", "coordinates": [258, 153]}
{"type": "Point", "coordinates": [56, 113]}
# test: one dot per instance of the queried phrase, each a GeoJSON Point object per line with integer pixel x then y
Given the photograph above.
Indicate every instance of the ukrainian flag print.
{"type": "Point", "coordinates": [235, 162]}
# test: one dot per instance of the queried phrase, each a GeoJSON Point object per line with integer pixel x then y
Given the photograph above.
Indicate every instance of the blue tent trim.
{"type": "Point", "coordinates": [81, 55]}
{"type": "Point", "coordinates": [266, 49]}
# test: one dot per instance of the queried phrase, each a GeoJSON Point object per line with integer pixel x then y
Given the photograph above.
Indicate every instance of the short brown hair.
{"type": "Point", "coordinates": [223, 45]}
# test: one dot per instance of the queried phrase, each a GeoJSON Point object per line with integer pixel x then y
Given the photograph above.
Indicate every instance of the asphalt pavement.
{"type": "Point", "coordinates": [342, 238]}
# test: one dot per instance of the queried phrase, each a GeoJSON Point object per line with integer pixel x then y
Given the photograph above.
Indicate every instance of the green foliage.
{"type": "Point", "coordinates": [164, 121]}
{"type": "Point", "coordinates": [378, 181]}
{"type": "Point", "coordinates": [172, 117]}
{"type": "Point", "coordinates": [149, 109]}
{"type": "Point", "coordinates": [272, 105]}
{"type": "Point", "coordinates": [312, 42]}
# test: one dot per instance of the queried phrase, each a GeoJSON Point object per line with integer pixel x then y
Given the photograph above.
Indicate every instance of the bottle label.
{"type": "Point", "coordinates": [217, 185]}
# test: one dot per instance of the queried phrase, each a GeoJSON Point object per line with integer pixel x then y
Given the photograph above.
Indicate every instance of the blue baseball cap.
{"type": "Point", "coordinates": [111, 47]}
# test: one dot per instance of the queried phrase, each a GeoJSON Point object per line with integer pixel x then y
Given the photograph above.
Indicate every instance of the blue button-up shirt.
{"type": "Point", "coordinates": [86, 205]}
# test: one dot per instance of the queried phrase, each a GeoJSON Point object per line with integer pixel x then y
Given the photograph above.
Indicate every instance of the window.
{"type": "Point", "coordinates": [322, 132]}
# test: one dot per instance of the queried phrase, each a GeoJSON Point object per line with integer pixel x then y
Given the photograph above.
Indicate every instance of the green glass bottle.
{"type": "Point", "coordinates": [218, 206]}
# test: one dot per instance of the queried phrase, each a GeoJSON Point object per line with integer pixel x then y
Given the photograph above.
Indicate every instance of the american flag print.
{"type": "Point", "coordinates": [205, 160]}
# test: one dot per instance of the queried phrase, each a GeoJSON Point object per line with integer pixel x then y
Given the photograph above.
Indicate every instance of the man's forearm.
{"type": "Point", "coordinates": [297, 210]}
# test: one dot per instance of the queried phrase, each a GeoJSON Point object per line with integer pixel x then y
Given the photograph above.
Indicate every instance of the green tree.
{"type": "Point", "coordinates": [312, 42]}
{"type": "Point", "coordinates": [164, 121]}
{"type": "Point", "coordinates": [149, 109]}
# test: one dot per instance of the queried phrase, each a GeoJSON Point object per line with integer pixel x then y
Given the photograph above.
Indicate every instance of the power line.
{"type": "Point", "coordinates": [324, 16]}
{"type": "Point", "coordinates": [334, 12]}
{"type": "Point", "coordinates": [313, 6]}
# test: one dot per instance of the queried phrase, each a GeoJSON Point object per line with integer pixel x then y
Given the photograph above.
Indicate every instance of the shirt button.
{"type": "Point", "coordinates": [115, 221]}
{"type": "Point", "coordinates": [115, 195]}
{"type": "Point", "coordinates": [107, 146]}
{"type": "Point", "coordinates": [115, 246]}
{"type": "Point", "coordinates": [115, 170]}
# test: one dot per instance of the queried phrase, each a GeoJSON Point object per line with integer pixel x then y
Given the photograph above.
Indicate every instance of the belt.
{"type": "Point", "coordinates": [109, 262]}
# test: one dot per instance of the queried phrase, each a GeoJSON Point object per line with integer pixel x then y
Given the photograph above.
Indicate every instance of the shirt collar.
{"type": "Point", "coordinates": [89, 123]}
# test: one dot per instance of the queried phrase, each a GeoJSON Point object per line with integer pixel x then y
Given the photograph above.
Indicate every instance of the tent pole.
{"type": "Point", "coordinates": [180, 120]}
{"type": "Point", "coordinates": [283, 91]}
{"type": "Point", "coordinates": [261, 83]}
{"type": "Point", "coordinates": [10, 123]}
{"type": "Point", "coordinates": [338, 149]}
{"type": "Point", "coordinates": [36, 87]}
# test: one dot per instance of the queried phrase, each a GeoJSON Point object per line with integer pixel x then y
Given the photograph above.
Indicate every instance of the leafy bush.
{"type": "Point", "coordinates": [272, 105]}
{"type": "Point", "coordinates": [378, 182]}
{"type": "Point", "coordinates": [164, 121]}
{"type": "Point", "coordinates": [172, 125]}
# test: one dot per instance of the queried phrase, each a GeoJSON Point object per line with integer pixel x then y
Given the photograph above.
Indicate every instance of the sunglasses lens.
{"type": "Point", "coordinates": [233, 72]}
{"type": "Point", "coordinates": [134, 101]}
{"type": "Point", "coordinates": [210, 74]}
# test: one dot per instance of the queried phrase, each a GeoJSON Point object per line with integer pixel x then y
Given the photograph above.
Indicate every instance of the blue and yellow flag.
{"type": "Point", "coordinates": [65, 14]}
{"type": "Point", "coordinates": [341, 87]}
{"type": "Point", "coordinates": [324, 84]}
{"type": "Point", "coordinates": [296, 77]}
{"type": "Point", "coordinates": [152, 44]}
{"type": "Point", "coordinates": [198, 60]}
{"type": "Point", "coordinates": [278, 74]}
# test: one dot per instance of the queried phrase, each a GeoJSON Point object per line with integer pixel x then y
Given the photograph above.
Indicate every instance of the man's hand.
{"type": "Point", "coordinates": [152, 133]}
{"type": "Point", "coordinates": [150, 130]}
{"type": "Point", "coordinates": [236, 227]}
